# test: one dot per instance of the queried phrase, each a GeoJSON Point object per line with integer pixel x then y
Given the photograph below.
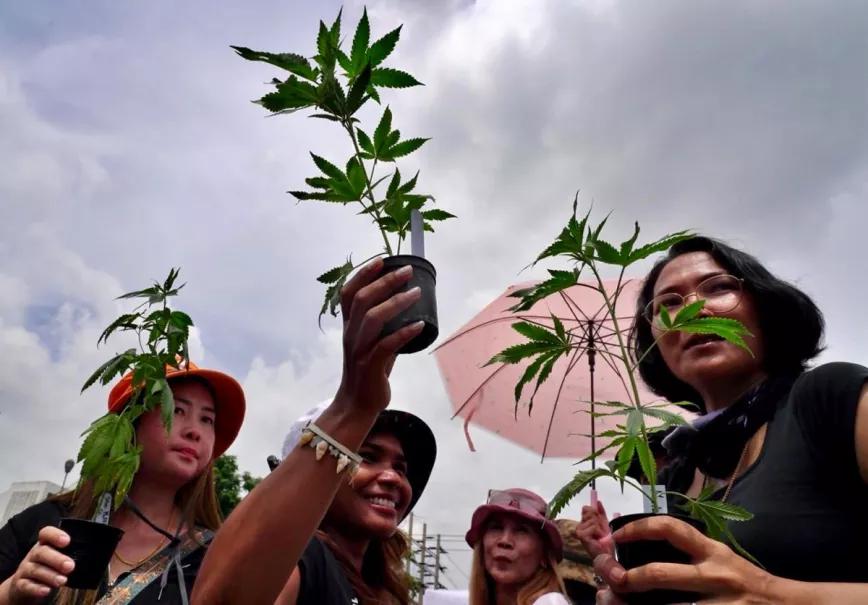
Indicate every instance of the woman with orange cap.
{"type": "Point", "coordinates": [167, 519]}
{"type": "Point", "coordinates": [516, 549]}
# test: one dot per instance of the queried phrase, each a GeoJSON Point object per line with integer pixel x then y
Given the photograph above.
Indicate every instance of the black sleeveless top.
{"type": "Point", "coordinates": [322, 580]}
{"type": "Point", "coordinates": [20, 533]}
{"type": "Point", "coordinates": [809, 502]}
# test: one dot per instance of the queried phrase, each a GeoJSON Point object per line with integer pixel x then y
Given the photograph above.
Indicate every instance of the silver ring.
{"type": "Point", "coordinates": [598, 580]}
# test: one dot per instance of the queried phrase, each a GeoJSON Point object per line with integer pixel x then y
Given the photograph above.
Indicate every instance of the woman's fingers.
{"type": "Point", "coordinates": [678, 533]}
{"type": "Point", "coordinates": [42, 574]}
{"type": "Point", "coordinates": [46, 556]}
{"type": "Point", "coordinates": [356, 303]}
{"type": "Point", "coordinates": [609, 569]}
{"type": "Point", "coordinates": [53, 536]}
{"type": "Point", "coordinates": [29, 589]}
{"type": "Point", "coordinates": [601, 510]}
{"type": "Point", "coordinates": [362, 278]}
{"type": "Point", "coordinates": [383, 354]}
{"type": "Point", "coordinates": [372, 324]}
{"type": "Point", "coordinates": [668, 576]}
{"type": "Point", "coordinates": [45, 551]}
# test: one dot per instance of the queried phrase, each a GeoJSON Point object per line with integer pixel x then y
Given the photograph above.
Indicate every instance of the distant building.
{"type": "Point", "coordinates": [23, 494]}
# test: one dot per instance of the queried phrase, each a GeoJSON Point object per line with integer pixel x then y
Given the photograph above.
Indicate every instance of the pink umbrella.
{"type": "Point", "coordinates": [560, 422]}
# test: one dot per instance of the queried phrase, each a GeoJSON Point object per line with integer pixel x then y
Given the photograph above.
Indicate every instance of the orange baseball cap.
{"type": "Point", "coordinates": [228, 395]}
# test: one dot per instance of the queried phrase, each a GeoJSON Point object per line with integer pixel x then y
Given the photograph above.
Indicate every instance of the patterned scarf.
{"type": "Point", "coordinates": [713, 442]}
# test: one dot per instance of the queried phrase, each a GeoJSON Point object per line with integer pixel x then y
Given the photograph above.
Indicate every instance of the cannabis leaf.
{"type": "Point", "coordinates": [109, 455]}
{"type": "Point", "coordinates": [336, 84]}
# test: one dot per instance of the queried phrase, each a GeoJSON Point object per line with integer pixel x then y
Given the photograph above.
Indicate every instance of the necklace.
{"type": "Point", "coordinates": [735, 472]}
{"type": "Point", "coordinates": [160, 545]}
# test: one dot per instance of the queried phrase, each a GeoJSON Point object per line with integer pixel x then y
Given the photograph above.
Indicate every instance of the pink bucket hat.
{"type": "Point", "coordinates": [520, 503]}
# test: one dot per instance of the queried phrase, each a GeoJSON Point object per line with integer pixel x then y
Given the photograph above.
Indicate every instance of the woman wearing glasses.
{"type": "Point", "coordinates": [788, 444]}
{"type": "Point", "coordinates": [516, 549]}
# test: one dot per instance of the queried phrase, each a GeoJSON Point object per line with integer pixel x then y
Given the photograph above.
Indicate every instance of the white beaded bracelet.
{"type": "Point", "coordinates": [322, 442]}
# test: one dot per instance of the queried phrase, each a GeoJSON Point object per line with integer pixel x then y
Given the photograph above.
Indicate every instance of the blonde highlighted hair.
{"type": "Point", "coordinates": [545, 580]}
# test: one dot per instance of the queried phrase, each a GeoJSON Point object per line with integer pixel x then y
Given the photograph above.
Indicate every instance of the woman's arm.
{"type": "Point", "coordinates": [258, 547]}
{"type": "Point", "coordinates": [289, 594]}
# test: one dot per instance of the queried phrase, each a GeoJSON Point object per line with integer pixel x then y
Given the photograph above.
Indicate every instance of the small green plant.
{"type": "Point", "coordinates": [109, 454]}
{"type": "Point", "coordinates": [582, 245]}
{"type": "Point", "coordinates": [338, 85]}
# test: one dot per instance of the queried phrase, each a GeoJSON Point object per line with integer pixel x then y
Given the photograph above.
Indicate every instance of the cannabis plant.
{"type": "Point", "coordinates": [109, 454]}
{"type": "Point", "coordinates": [336, 85]}
{"type": "Point", "coordinates": [582, 246]}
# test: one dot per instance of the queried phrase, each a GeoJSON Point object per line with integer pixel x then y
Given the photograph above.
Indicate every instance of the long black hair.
{"type": "Point", "coordinates": [790, 323]}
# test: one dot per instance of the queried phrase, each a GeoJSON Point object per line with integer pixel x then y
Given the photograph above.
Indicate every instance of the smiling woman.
{"type": "Point", "coordinates": [357, 550]}
{"type": "Point", "coordinates": [323, 526]}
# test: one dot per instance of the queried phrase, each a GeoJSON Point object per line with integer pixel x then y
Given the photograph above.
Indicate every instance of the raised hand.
{"type": "Point", "coordinates": [368, 301]}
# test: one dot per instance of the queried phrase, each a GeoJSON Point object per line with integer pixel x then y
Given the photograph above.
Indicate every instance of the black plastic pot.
{"type": "Point", "coordinates": [636, 554]}
{"type": "Point", "coordinates": [91, 547]}
{"type": "Point", "coordinates": [425, 309]}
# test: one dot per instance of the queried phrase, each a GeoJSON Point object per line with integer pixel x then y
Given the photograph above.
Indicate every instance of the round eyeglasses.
{"type": "Point", "coordinates": [721, 293]}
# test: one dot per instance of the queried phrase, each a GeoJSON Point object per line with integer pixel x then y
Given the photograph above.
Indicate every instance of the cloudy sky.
{"type": "Point", "coordinates": [129, 146]}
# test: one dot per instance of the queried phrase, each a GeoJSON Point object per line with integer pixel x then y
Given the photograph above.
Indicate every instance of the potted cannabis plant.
{"type": "Point", "coordinates": [583, 246]}
{"type": "Point", "coordinates": [337, 85]}
{"type": "Point", "coordinates": [109, 454]}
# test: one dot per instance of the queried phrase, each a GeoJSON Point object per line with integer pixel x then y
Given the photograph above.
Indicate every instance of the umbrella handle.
{"type": "Point", "coordinates": [467, 430]}
{"type": "Point", "coordinates": [593, 498]}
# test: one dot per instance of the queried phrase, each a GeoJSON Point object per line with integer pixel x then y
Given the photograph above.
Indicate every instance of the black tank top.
{"type": "Point", "coordinates": [809, 502]}
{"type": "Point", "coordinates": [322, 580]}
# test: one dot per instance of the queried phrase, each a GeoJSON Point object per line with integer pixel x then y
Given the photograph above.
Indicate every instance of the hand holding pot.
{"type": "Point", "coordinates": [716, 571]}
{"type": "Point", "coordinates": [41, 571]}
{"type": "Point", "coordinates": [368, 301]}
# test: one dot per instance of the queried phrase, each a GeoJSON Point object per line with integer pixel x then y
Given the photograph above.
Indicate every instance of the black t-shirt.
{"type": "Point", "coordinates": [809, 502]}
{"type": "Point", "coordinates": [20, 533]}
{"type": "Point", "coordinates": [323, 582]}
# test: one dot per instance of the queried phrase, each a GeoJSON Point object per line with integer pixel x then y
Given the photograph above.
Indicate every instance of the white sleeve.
{"type": "Point", "coordinates": [552, 598]}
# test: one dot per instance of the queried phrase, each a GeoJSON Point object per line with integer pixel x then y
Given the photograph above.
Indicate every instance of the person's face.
{"type": "Point", "coordinates": [512, 549]}
{"type": "Point", "coordinates": [183, 453]}
{"type": "Point", "coordinates": [701, 360]}
{"type": "Point", "coordinates": [378, 496]}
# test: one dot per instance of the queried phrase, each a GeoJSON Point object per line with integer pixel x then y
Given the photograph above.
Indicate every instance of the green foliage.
{"type": "Point", "coordinates": [715, 515]}
{"type": "Point", "coordinates": [109, 454]}
{"type": "Point", "coordinates": [582, 246]}
{"type": "Point", "coordinates": [230, 484]}
{"type": "Point", "coordinates": [336, 85]}
{"type": "Point", "coordinates": [580, 481]}
{"type": "Point", "coordinates": [335, 280]}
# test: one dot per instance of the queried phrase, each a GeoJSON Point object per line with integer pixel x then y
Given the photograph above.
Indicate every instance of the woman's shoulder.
{"type": "Point", "coordinates": [833, 378]}
{"type": "Point", "coordinates": [824, 402]}
{"type": "Point", "coordinates": [551, 598]}
{"type": "Point", "coordinates": [35, 517]}
{"type": "Point", "coordinates": [831, 386]}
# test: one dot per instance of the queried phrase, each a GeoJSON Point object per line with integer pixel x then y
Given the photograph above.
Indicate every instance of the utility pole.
{"type": "Point", "coordinates": [437, 564]}
{"type": "Point", "coordinates": [422, 552]}
{"type": "Point", "coordinates": [410, 533]}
